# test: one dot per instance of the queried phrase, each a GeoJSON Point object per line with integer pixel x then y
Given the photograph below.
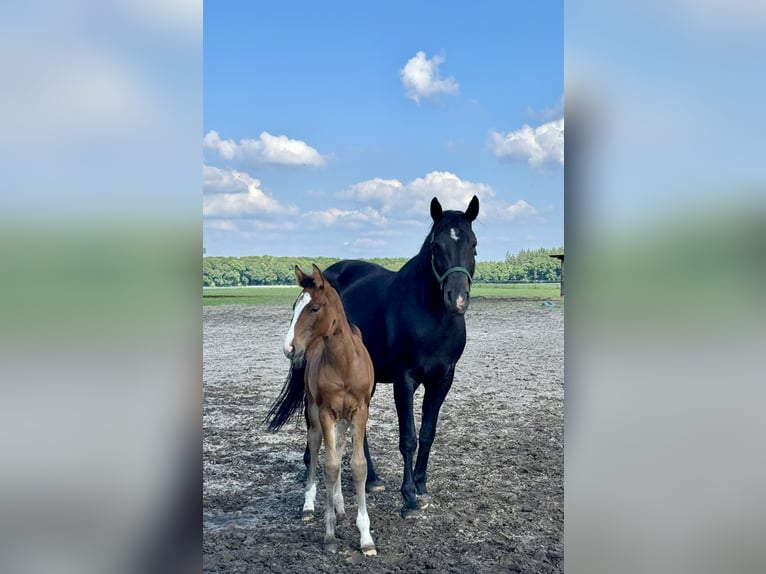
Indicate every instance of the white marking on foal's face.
{"type": "Point", "coordinates": [453, 234]}
{"type": "Point", "coordinates": [300, 304]}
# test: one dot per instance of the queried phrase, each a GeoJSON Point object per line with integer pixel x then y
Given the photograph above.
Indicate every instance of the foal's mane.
{"type": "Point", "coordinates": [308, 282]}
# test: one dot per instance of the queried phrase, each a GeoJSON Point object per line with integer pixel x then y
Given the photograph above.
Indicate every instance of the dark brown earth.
{"type": "Point", "coordinates": [495, 473]}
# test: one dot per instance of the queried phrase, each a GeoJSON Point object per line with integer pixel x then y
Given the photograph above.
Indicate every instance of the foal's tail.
{"type": "Point", "coordinates": [289, 400]}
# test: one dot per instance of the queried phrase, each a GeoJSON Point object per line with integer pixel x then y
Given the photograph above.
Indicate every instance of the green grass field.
{"type": "Point", "coordinates": [285, 295]}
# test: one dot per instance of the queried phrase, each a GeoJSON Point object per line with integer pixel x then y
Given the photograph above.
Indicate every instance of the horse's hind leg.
{"type": "Point", "coordinates": [374, 483]}
{"type": "Point", "coordinates": [331, 477]}
{"type": "Point", "coordinates": [359, 473]}
{"type": "Point", "coordinates": [314, 440]}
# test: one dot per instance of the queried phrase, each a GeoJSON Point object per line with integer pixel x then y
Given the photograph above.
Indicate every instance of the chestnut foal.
{"type": "Point", "coordinates": [337, 386]}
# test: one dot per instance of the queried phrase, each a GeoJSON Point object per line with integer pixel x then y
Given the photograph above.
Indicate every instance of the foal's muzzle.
{"type": "Point", "coordinates": [296, 357]}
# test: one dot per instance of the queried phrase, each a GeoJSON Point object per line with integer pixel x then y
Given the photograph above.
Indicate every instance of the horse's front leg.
{"type": "Point", "coordinates": [432, 401]}
{"type": "Point", "coordinates": [403, 391]}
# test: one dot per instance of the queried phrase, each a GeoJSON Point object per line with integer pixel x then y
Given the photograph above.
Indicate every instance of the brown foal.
{"type": "Point", "coordinates": [338, 385]}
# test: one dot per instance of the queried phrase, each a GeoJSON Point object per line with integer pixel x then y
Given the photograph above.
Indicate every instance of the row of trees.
{"type": "Point", "coordinates": [525, 266]}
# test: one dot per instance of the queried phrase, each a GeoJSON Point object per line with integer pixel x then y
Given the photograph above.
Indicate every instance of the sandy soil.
{"type": "Point", "coordinates": [495, 472]}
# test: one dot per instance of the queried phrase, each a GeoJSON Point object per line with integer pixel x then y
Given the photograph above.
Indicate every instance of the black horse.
{"type": "Point", "coordinates": [413, 326]}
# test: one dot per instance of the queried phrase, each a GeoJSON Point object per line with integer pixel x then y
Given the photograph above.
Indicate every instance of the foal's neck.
{"type": "Point", "coordinates": [339, 341]}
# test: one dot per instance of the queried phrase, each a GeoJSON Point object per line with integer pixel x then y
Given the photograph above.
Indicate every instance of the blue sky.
{"type": "Point", "coordinates": [328, 128]}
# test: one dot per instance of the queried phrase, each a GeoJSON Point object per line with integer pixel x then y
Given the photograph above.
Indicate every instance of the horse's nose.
{"type": "Point", "coordinates": [289, 351]}
{"type": "Point", "coordinates": [458, 303]}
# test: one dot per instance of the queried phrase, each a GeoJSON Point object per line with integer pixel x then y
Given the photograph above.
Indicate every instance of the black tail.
{"type": "Point", "coordinates": [289, 400]}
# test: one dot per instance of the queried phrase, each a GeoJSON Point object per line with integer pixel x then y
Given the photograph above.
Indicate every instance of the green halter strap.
{"type": "Point", "coordinates": [458, 269]}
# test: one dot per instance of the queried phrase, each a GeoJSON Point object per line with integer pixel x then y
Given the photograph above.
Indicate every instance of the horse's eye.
{"type": "Point", "coordinates": [314, 308]}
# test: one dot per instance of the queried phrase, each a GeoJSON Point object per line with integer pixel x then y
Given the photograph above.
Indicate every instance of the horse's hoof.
{"type": "Point", "coordinates": [308, 515]}
{"type": "Point", "coordinates": [375, 486]}
{"type": "Point", "coordinates": [331, 547]}
{"type": "Point", "coordinates": [424, 501]}
{"type": "Point", "coordinates": [410, 512]}
{"type": "Point", "coordinates": [339, 517]}
{"type": "Point", "coordinates": [369, 551]}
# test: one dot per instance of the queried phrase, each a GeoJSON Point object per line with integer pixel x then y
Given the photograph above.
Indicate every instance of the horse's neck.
{"type": "Point", "coordinates": [417, 279]}
{"type": "Point", "coordinates": [339, 343]}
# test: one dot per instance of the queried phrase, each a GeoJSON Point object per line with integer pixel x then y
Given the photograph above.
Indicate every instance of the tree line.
{"type": "Point", "coordinates": [526, 266]}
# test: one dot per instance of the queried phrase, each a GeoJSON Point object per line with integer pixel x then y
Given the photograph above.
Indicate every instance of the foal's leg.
{"type": "Point", "coordinates": [314, 440]}
{"type": "Point", "coordinates": [331, 477]}
{"type": "Point", "coordinates": [403, 391]}
{"type": "Point", "coordinates": [359, 473]}
{"type": "Point", "coordinates": [337, 495]}
{"type": "Point", "coordinates": [307, 453]}
{"type": "Point", "coordinates": [432, 402]}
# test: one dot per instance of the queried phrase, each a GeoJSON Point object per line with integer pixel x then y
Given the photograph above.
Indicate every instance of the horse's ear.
{"type": "Point", "coordinates": [473, 209]}
{"type": "Point", "coordinates": [436, 210]}
{"type": "Point", "coordinates": [299, 276]}
{"type": "Point", "coordinates": [317, 275]}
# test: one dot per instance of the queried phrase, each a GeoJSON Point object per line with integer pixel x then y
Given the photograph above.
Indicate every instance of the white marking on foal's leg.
{"type": "Point", "coordinates": [453, 234]}
{"type": "Point", "coordinates": [302, 301]}
{"type": "Point", "coordinates": [314, 441]}
{"type": "Point", "coordinates": [359, 473]}
{"type": "Point", "coordinates": [308, 500]}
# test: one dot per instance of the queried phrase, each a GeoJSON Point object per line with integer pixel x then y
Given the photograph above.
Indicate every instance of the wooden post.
{"type": "Point", "coordinates": [560, 257]}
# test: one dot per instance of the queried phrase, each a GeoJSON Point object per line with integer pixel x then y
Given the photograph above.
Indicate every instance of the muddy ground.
{"type": "Point", "coordinates": [495, 474]}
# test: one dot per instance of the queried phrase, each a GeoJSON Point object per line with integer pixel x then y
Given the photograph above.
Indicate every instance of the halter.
{"type": "Point", "coordinates": [443, 277]}
{"type": "Point", "coordinates": [448, 272]}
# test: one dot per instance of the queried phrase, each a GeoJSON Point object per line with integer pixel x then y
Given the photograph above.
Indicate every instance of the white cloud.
{"type": "Point", "coordinates": [279, 150]}
{"type": "Point", "coordinates": [420, 78]}
{"type": "Point", "coordinates": [538, 146]}
{"type": "Point", "coordinates": [354, 219]}
{"type": "Point", "coordinates": [232, 193]}
{"type": "Point", "coordinates": [414, 197]}
{"type": "Point", "coordinates": [510, 212]}
{"type": "Point", "coordinates": [221, 225]}
{"type": "Point", "coordinates": [384, 191]}
{"type": "Point", "coordinates": [398, 200]}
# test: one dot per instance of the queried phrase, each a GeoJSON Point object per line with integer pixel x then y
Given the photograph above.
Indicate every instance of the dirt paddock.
{"type": "Point", "coordinates": [495, 475]}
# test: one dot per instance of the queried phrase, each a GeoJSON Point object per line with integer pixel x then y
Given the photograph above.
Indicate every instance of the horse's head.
{"type": "Point", "coordinates": [453, 253]}
{"type": "Point", "coordinates": [314, 313]}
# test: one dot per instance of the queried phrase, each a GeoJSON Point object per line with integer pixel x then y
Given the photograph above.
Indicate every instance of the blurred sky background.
{"type": "Point", "coordinates": [329, 127]}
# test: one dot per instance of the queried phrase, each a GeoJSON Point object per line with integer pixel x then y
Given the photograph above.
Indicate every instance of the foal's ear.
{"type": "Point", "coordinates": [299, 276]}
{"type": "Point", "coordinates": [473, 209]}
{"type": "Point", "coordinates": [436, 210]}
{"type": "Point", "coordinates": [317, 275]}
